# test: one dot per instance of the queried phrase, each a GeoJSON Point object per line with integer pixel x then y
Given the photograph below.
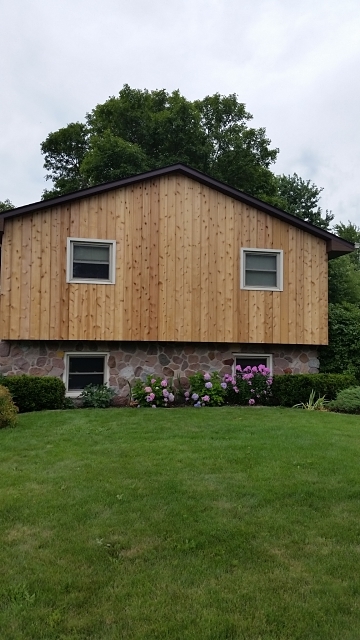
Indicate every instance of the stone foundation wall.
{"type": "Point", "coordinates": [129, 360]}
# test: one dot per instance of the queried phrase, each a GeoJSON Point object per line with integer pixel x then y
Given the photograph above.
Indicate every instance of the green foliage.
{"type": "Point", "coordinates": [206, 389]}
{"type": "Point", "coordinates": [342, 354]}
{"type": "Point", "coordinates": [8, 410]}
{"type": "Point", "coordinates": [5, 205]}
{"type": "Point", "coordinates": [140, 130]}
{"type": "Point", "coordinates": [154, 392]}
{"type": "Point", "coordinates": [35, 393]}
{"type": "Point", "coordinates": [288, 390]}
{"type": "Point", "coordinates": [251, 385]}
{"type": "Point", "coordinates": [313, 405]}
{"type": "Point", "coordinates": [301, 198]}
{"type": "Point", "coordinates": [347, 401]}
{"type": "Point", "coordinates": [97, 396]}
{"type": "Point", "coordinates": [64, 151]}
{"type": "Point", "coordinates": [344, 281]}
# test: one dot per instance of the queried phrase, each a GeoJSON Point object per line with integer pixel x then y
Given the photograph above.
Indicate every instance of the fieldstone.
{"type": "Point", "coordinates": [36, 371]}
{"type": "Point", "coordinates": [129, 347]}
{"type": "Point", "coordinates": [304, 357]}
{"type": "Point", "coordinates": [138, 371]}
{"type": "Point", "coordinates": [113, 381]}
{"type": "Point", "coordinates": [288, 358]}
{"type": "Point", "coordinates": [168, 372]}
{"type": "Point", "coordinates": [193, 358]}
{"type": "Point", "coordinates": [5, 369]}
{"type": "Point", "coordinates": [111, 362]}
{"type": "Point", "coordinates": [314, 363]}
{"type": "Point", "coordinates": [152, 349]}
{"type": "Point", "coordinates": [287, 370]}
{"type": "Point", "coordinates": [229, 361]}
{"type": "Point", "coordinates": [16, 351]}
{"type": "Point", "coordinates": [163, 359]}
{"type": "Point", "coordinates": [177, 360]}
{"type": "Point", "coordinates": [127, 373]}
{"type": "Point", "coordinates": [188, 350]}
{"type": "Point", "coordinates": [58, 363]}
{"type": "Point", "coordinates": [4, 349]}
{"type": "Point", "coordinates": [79, 346]}
{"type": "Point", "coordinates": [313, 370]}
{"type": "Point", "coordinates": [41, 362]}
{"type": "Point", "coordinates": [56, 372]}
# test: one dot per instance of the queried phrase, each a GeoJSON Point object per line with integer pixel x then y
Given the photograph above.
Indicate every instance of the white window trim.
{"type": "Point", "coordinates": [91, 241]}
{"type": "Point", "coordinates": [84, 354]}
{"type": "Point", "coordinates": [269, 357]}
{"type": "Point", "coordinates": [279, 267]}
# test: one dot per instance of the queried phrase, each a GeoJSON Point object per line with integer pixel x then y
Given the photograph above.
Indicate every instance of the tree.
{"type": "Point", "coordinates": [5, 205]}
{"type": "Point", "coordinates": [301, 198]}
{"type": "Point", "coordinates": [141, 130]}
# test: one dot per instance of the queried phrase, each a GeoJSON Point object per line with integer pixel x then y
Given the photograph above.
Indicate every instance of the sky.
{"type": "Point", "coordinates": [295, 65]}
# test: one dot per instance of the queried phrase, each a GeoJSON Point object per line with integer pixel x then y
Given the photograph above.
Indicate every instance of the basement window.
{"type": "Point", "coordinates": [252, 360]}
{"type": "Point", "coordinates": [83, 369]}
{"type": "Point", "coordinates": [90, 261]}
{"type": "Point", "coordinates": [261, 269]}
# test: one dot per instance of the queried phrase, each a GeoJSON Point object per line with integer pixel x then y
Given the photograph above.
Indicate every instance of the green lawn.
{"type": "Point", "coordinates": [207, 524]}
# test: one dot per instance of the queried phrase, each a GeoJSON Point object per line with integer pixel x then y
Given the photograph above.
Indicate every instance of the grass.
{"type": "Point", "coordinates": [206, 524]}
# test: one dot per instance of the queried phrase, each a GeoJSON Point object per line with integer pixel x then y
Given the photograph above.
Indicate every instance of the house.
{"type": "Point", "coordinates": [169, 272]}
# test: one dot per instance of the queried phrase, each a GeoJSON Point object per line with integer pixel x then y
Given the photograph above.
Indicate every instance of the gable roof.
{"type": "Point", "coordinates": [335, 246]}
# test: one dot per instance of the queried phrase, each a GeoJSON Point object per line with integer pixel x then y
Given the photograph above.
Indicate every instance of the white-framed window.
{"type": "Point", "coordinates": [91, 260]}
{"type": "Point", "coordinates": [253, 360]}
{"type": "Point", "coordinates": [261, 269]}
{"type": "Point", "coordinates": [82, 369]}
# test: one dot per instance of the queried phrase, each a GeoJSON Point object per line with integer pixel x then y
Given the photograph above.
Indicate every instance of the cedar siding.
{"type": "Point", "coordinates": [178, 247]}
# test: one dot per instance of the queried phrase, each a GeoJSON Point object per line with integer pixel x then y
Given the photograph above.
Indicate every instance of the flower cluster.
{"type": "Point", "coordinates": [155, 392]}
{"type": "Point", "coordinates": [259, 382]}
{"type": "Point", "coordinates": [206, 390]}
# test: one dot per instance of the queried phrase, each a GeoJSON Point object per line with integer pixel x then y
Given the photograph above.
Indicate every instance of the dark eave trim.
{"type": "Point", "coordinates": [335, 245]}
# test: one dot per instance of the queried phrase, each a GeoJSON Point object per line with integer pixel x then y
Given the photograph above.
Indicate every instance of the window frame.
{"type": "Point", "coordinates": [81, 354]}
{"type": "Point", "coordinates": [279, 269]}
{"type": "Point", "coordinates": [268, 356]}
{"type": "Point", "coordinates": [91, 242]}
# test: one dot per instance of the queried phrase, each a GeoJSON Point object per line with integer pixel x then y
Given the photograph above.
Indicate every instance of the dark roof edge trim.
{"type": "Point", "coordinates": [335, 245]}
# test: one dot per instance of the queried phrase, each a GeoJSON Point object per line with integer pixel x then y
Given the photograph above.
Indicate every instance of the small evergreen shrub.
{"type": "Point", "coordinates": [8, 410]}
{"type": "Point", "coordinates": [291, 389]}
{"type": "Point", "coordinates": [97, 396]}
{"type": "Point", "coordinates": [347, 401]}
{"type": "Point", "coordinates": [206, 389]}
{"type": "Point", "coordinates": [154, 392]}
{"type": "Point", "coordinates": [35, 393]}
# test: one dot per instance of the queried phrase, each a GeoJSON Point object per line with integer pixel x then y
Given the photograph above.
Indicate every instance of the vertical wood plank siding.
{"type": "Point", "coordinates": [177, 271]}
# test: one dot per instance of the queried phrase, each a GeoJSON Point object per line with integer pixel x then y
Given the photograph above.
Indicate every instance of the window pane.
{"type": "Point", "coordinates": [251, 361]}
{"type": "Point", "coordinates": [86, 364]}
{"type": "Point", "coordinates": [78, 381]}
{"type": "Point", "coordinates": [260, 279]}
{"type": "Point", "coordinates": [91, 271]}
{"type": "Point", "coordinates": [261, 261]}
{"type": "Point", "coordinates": [91, 253]}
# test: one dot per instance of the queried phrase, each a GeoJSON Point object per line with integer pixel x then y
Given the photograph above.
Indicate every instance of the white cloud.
{"type": "Point", "coordinates": [293, 64]}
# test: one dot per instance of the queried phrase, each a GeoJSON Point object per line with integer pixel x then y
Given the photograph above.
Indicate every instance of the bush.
{"type": "Point", "coordinates": [155, 392]}
{"type": "Point", "coordinates": [251, 385]}
{"type": "Point", "coordinates": [8, 410]}
{"type": "Point", "coordinates": [206, 390]}
{"type": "Point", "coordinates": [342, 354]}
{"type": "Point", "coordinates": [347, 401]}
{"type": "Point", "coordinates": [97, 396]}
{"type": "Point", "coordinates": [35, 393]}
{"type": "Point", "coordinates": [288, 389]}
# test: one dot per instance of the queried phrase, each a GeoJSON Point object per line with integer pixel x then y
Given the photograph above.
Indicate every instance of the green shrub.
{"type": "Point", "coordinates": [342, 354]}
{"type": "Point", "coordinates": [288, 389]}
{"type": "Point", "coordinates": [35, 393]}
{"type": "Point", "coordinates": [97, 396]}
{"type": "Point", "coordinates": [206, 389]}
{"type": "Point", "coordinates": [8, 410]}
{"type": "Point", "coordinates": [347, 401]}
{"type": "Point", "coordinates": [154, 392]}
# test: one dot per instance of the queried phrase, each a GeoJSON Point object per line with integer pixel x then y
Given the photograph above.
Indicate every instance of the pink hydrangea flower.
{"type": "Point", "coordinates": [165, 393]}
{"type": "Point", "coordinates": [153, 406]}
{"type": "Point", "coordinates": [148, 389]}
{"type": "Point", "coordinates": [153, 381]}
{"type": "Point", "coordinates": [187, 394]}
{"type": "Point", "coordinates": [164, 383]}
{"type": "Point", "coordinates": [236, 390]}
{"type": "Point", "coordinates": [251, 401]}
{"type": "Point", "coordinates": [238, 367]}
{"type": "Point", "coordinates": [171, 397]}
{"type": "Point", "coordinates": [206, 398]}
{"type": "Point", "coordinates": [195, 396]}
{"type": "Point", "coordinates": [152, 396]}
{"type": "Point", "coordinates": [224, 385]}
{"type": "Point", "coordinates": [208, 385]}
{"type": "Point", "coordinates": [207, 376]}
